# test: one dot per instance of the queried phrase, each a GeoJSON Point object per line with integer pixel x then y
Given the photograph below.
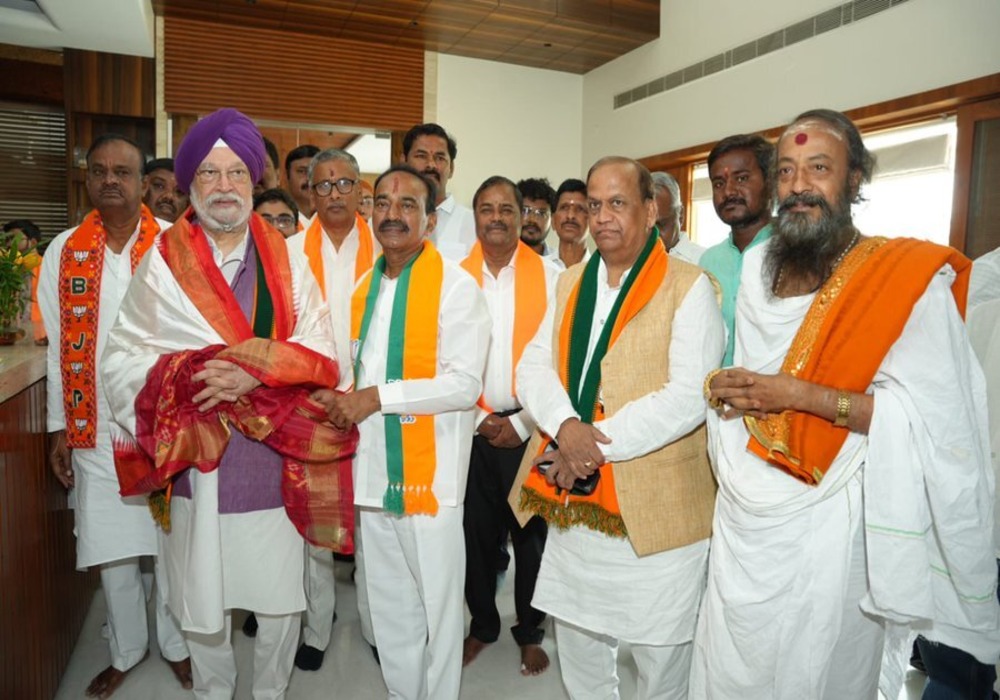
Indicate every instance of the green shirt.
{"type": "Point", "coordinates": [725, 262]}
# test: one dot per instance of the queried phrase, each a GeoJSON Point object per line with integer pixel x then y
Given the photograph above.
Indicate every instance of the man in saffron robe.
{"type": "Point", "coordinates": [419, 335]}
{"type": "Point", "coordinates": [614, 377]}
{"type": "Point", "coordinates": [850, 446]}
{"type": "Point", "coordinates": [518, 284]}
{"type": "Point", "coordinates": [219, 342]}
{"type": "Point", "coordinates": [81, 285]}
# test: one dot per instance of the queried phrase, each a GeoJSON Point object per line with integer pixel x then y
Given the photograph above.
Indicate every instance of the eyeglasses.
{"type": "Point", "coordinates": [209, 176]}
{"type": "Point", "coordinates": [532, 211]}
{"type": "Point", "coordinates": [324, 187]}
{"type": "Point", "coordinates": [367, 200]}
{"type": "Point", "coordinates": [282, 221]}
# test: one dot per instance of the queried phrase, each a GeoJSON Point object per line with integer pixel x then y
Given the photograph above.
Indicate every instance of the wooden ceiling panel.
{"type": "Point", "coordinates": [541, 7]}
{"type": "Point", "coordinates": [593, 31]}
{"type": "Point", "coordinates": [591, 12]}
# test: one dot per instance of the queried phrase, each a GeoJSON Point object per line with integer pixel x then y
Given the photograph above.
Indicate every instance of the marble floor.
{"type": "Point", "coordinates": [349, 671]}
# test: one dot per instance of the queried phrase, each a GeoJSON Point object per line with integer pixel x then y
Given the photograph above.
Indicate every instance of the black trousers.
{"type": "Point", "coordinates": [491, 475]}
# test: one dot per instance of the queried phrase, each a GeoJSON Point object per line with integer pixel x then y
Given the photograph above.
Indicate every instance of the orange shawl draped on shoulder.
{"type": "Point", "coordinates": [855, 319]}
{"type": "Point", "coordinates": [173, 435]}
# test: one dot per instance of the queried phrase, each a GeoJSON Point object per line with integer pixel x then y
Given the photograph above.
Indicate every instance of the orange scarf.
{"type": "Point", "coordinates": [855, 319]}
{"type": "Point", "coordinates": [314, 246]}
{"type": "Point", "coordinates": [80, 270]}
{"type": "Point", "coordinates": [600, 510]}
{"type": "Point", "coordinates": [529, 289]}
{"type": "Point", "coordinates": [410, 446]}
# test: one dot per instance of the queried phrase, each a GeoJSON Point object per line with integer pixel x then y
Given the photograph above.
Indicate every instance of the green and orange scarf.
{"type": "Point", "coordinates": [411, 450]}
{"type": "Point", "coordinates": [313, 247]}
{"type": "Point", "coordinates": [81, 268]}
{"type": "Point", "coordinates": [529, 290]}
{"type": "Point", "coordinates": [853, 322]}
{"type": "Point", "coordinates": [600, 510]}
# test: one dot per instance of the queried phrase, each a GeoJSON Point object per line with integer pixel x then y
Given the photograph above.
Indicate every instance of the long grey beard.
{"type": "Point", "coordinates": [805, 248]}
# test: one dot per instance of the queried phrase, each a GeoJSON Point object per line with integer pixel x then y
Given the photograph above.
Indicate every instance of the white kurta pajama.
{"type": "Point", "coordinates": [593, 584]}
{"type": "Point", "coordinates": [455, 231]}
{"type": "Point", "coordinates": [216, 562]}
{"type": "Point", "coordinates": [108, 527]}
{"type": "Point", "coordinates": [321, 591]}
{"type": "Point", "coordinates": [416, 562]}
{"type": "Point", "coordinates": [793, 566]}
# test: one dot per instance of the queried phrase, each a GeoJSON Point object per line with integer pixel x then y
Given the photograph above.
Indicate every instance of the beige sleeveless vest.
{"type": "Point", "coordinates": [666, 497]}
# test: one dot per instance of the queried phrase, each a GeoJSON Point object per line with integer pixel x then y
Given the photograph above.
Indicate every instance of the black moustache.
{"type": "Point", "coordinates": [734, 200]}
{"type": "Point", "coordinates": [393, 223]}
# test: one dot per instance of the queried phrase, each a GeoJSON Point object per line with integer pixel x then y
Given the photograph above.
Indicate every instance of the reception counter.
{"type": "Point", "coordinates": [43, 599]}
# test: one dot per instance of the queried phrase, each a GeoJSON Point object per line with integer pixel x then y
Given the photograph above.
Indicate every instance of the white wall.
{"type": "Point", "coordinates": [508, 120]}
{"type": "Point", "coordinates": [916, 46]}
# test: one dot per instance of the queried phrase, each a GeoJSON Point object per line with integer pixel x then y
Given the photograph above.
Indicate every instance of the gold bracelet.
{"type": "Point", "coordinates": [707, 389]}
{"type": "Point", "coordinates": [843, 408]}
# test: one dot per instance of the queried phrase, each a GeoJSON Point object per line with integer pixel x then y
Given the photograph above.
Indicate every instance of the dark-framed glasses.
{"type": "Point", "coordinates": [324, 187]}
{"type": "Point", "coordinates": [534, 211]}
{"type": "Point", "coordinates": [282, 221]}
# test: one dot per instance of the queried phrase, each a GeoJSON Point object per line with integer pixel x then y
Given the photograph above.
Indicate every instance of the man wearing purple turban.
{"type": "Point", "coordinates": [218, 344]}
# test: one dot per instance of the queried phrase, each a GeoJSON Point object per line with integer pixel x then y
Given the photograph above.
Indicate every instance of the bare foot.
{"type": "Point", "coordinates": [471, 648]}
{"type": "Point", "coordinates": [105, 683]}
{"type": "Point", "coordinates": [182, 672]}
{"type": "Point", "coordinates": [534, 660]}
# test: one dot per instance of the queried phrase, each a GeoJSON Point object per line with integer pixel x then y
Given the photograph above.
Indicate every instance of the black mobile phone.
{"type": "Point", "coordinates": [543, 466]}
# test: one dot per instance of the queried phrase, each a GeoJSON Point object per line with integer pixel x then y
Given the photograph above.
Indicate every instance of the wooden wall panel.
{"type": "Point", "coordinates": [105, 83]}
{"type": "Point", "coordinates": [271, 74]}
{"type": "Point", "coordinates": [43, 599]}
{"type": "Point", "coordinates": [27, 81]}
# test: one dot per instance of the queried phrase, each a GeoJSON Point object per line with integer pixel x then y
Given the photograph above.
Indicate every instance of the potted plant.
{"type": "Point", "coordinates": [16, 264]}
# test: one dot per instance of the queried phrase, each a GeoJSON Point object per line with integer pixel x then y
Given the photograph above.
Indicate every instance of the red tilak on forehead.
{"type": "Point", "coordinates": [801, 138]}
{"type": "Point", "coordinates": [395, 185]}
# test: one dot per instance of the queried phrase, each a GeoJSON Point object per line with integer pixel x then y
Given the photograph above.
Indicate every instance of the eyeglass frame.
{"type": "Point", "coordinates": [315, 187]}
{"type": "Point", "coordinates": [210, 176]}
{"type": "Point", "coordinates": [527, 211]}
{"type": "Point", "coordinates": [273, 220]}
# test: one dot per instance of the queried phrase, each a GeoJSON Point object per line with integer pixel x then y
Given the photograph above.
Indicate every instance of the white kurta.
{"type": "Point", "coordinates": [338, 283]}
{"type": "Point", "coordinates": [686, 250]}
{"type": "Point", "coordinates": [985, 281]}
{"type": "Point", "coordinates": [984, 333]}
{"type": "Point", "coordinates": [455, 231]}
{"type": "Point", "coordinates": [463, 339]}
{"type": "Point", "coordinates": [214, 562]}
{"type": "Point", "coordinates": [498, 390]}
{"type": "Point", "coordinates": [659, 594]}
{"type": "Point", "coordinates": [560, 265]}
{"type": "Point", "coordinates": [107, 526]}
{"type": "Point", "coordinates": [784, 553]}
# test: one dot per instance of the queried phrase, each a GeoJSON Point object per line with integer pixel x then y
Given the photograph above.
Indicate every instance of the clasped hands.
{"type": "Point", "coordinates": [224, 381]}
{"type": "Point", "coordinates": [579, 454]}
{"type": "Point", "coordinates": [736, 391]}
{"type": "Point", "coordinates": [345, 410]}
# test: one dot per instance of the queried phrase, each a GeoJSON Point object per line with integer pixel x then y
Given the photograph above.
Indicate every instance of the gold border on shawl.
{"type": "Point", "coordinates": [774, 432]}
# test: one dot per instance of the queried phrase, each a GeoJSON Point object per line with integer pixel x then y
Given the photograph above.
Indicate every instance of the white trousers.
{"type": "Point", "coordinates": [321, 597]}
{"type": "Point", "coordinates": [416, 574]}
{"type": "Point", "coordinates": [128, 631]}
{"type": "Point", "coordinates": [360, 583]}
{"type": "Point", "coordinates": [213, 665]}
{"type": "Point", "coordinates": [589, 663]}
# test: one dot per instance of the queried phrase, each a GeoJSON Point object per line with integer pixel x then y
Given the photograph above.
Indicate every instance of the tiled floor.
{"type": "Point", "coordinates": [349, 671]}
